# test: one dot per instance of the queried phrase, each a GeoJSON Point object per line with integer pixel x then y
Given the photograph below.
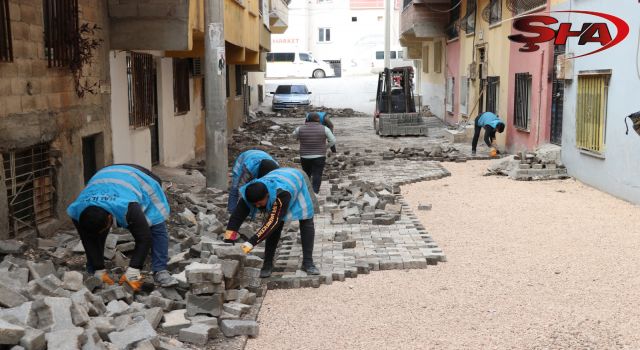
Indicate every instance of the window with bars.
{"type": "Point", "coordinates": [450, 94]}
{"type": "Point", "coordinates": [522, 105]}
{"type": "Point", "coordinates": [60, 31]}
{"type": "Point", "coordinates": [452, 31]}
{"type": "Point", "coordinates": [181, 101]}
{"type": "Point", "coordinates": [6, 47]}
{"type": "Point", "coordinates": [495, 11]}
{"type": "Point", "coordinates": [29, 179]}
{"type": "Point", "coordinates": [464, 95]}
{"type": "Point", "coordinates": [437, 57]}
{"type": "Point", "coordinates": [140, 76]}
{"type": "Point", "coordinates": [591, 114]}
{"type": "Point", "coordinates": [492, 95]}
{"type": "Point", "coordinates": [468, 23]}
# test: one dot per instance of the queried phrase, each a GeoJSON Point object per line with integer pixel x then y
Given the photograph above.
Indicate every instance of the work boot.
{"type": "Point", "coordinates": [310, 269]}
{"type": "Point", "coordinates": [164, 279]}
{"type": "Point", "coordinates": [266, 270]}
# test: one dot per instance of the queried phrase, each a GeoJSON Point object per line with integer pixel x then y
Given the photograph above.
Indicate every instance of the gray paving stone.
{"type": "Point", "coordinates": [204, 304]}
{"type": "Point", "coordinates": [195, 334]}
{"type": "Point", "coordinates": [232, 328]}
{"type": "Point", "coordinates": [10, 334]}
{"type": "Point", "coordinates": [174, 321]}
{"type": "Point", "coordinates": [65, 339]}
{"type": "Point", "coordinates": [134, 333]}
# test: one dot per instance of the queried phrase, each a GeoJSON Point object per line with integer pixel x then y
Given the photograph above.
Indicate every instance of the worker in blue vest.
{"type": "Point", "coordinates": [324, 120]}
{"type": "Point", "coordinates": [286, 194]}
{"type": "Point", "coordinates": [251, 164]}
{"type": "Point", "coordinates": [491, 123]}
{"type": "Point", "coordinates": [131, 196]}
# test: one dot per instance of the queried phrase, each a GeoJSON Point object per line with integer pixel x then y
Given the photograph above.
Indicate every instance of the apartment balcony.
{"type": "Point", "coordinates": [278, 16]}
{"type": "Point", "coordinates": [421, 21]}
{"type": "Point", "coordinates": [152, 25]}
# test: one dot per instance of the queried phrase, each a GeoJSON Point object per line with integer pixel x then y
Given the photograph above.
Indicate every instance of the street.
{"type": "Point", "coordinates": [530, 265]}
{"type": "Point", "coordinates": [355, 92]}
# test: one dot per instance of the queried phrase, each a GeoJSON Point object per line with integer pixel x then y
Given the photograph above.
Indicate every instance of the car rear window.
{"type": "Point", "coordinates": [291, 89]}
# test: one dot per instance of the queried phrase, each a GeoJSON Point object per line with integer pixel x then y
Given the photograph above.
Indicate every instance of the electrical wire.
{"type": "Point", "coordinates": [445, 11]}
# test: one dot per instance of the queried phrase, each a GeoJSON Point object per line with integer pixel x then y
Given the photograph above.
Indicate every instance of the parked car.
{"type": "Point", "coordinates": [296, 64]}
{"type": "Point", "coordinates": [290, 96]}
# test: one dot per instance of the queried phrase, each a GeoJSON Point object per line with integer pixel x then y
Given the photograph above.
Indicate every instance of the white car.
{"type": "Point", "coordinates": [290, 96]}
{"type": "Point", "coordinates": [296, 65]}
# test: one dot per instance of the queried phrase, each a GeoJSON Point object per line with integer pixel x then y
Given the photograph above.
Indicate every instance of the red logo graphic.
{"type": "Point", "coordinates": [589, 33]}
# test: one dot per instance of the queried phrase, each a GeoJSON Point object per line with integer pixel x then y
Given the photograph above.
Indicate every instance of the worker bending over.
{"type": "Point", "coordinates": [490, 123]}
{"type": "Point", "coordinates": [251, 164]}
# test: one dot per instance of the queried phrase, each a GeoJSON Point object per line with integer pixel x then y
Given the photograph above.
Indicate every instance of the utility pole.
{"type": "Point", "coordinates": [387, 33]}
{"type": "Point", "coordinates": [215, 95]}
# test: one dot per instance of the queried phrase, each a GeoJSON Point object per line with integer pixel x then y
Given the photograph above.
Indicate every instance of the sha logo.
{"type": "Point", "coordinates": [597, 32]}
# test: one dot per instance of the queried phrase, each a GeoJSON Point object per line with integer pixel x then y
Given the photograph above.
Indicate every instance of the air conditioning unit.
{"type": "Point", "coordinates": [472, 71]}
{"type": "Point", "coordinates": [196, 67]}
{"type": "Point", "coordinates": [564, 67]}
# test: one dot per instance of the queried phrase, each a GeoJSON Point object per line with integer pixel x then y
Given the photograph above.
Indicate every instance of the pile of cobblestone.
{"type": "Point", "coordinates": [436, 152]}
{"type": "Point", "coordinates": [300, 112]}
{"type": "Point", "coordinates": [46, 304]}
{"type": "Point", "coordinates": [543, 164]}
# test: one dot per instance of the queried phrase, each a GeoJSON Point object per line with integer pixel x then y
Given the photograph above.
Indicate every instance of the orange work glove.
{"type": "Point", "coordinates": [247, 247]}
{"type": "Point", "coordinates": [104, 277]}
{"type": "Point", "coordinates": [231, 236]}
{"type": "Point", "coordinates": [133, 278]}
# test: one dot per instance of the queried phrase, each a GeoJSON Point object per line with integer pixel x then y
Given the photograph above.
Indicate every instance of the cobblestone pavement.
{"type": "Point", "coordinates": [404, 244]}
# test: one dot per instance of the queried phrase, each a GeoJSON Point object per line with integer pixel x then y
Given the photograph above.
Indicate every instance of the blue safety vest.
{"type": "Point", "coordinates": [114, 187]}
{"type": "Point", "coordinates": [489, 118]}
{"type": "Point", "coordinates": [321, 114]}
{"type": "Point", "coordinates": [245, 169]}
{"type": "Point", "coordinates": [294, 181]}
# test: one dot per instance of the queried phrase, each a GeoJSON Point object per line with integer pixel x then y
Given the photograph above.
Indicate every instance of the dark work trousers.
{"type": "Point", "coordinates": [94, 249]}
{"type": "Point", "coordinates": [489, 132]}
{"type": "Point", "coordinates": [307, 235]}
{"type": "Point", "coordinates": [314, 168]}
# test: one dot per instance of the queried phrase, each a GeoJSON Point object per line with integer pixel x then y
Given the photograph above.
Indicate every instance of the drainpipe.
{"type": "Point", "coordinates": [540, 98]}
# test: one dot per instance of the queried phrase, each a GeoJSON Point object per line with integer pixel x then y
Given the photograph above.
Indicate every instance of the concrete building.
{"type": "Point", "coordinates": [600, 90]}
{"type": "Point", "coordinates": [51, 139]}
{"type": "Point", "coordinates": [346, 33]}
{"type": "Point", "coordinates": [161, 121]}
{"type": "Point", "coordinates": [468, 66]}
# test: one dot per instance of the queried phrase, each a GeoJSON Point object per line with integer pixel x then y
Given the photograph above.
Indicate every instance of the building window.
{"type": "Point", "coordinates": [591, 114]}
{"type": "Point", "coordinates": [226, 80]}
{"type": "Point", "coordinates": [324, 35]}
{"type": "Point", "coordinates": [379, 55]}
{"type": "Point", "coordinates": [522, 105]}
{"type": "Point", "coordinates": [495, 11]}
{"type": "Point", "coordinates": [425, 59]}
{"type": "Point", "coordinates": [6, 49]}
{"type": "Point", "coordinates": [354, 19]}
{"type": "Point", "coordinates": [392, 55]}
{"type": "Point", "coordinates": [437, 57]}
{"type": "Point", "coordinates": [464, 95]}
{"type": "Point", "coordinates": [406, 3]}
{"type": "Point", "coordinates": [29, 178]}
{"type": "Point", "coordinates": [239, 80]}
{"type": "Point", "coordinates": [60, 31]}
{"type": "Point", "coordinates": [493, 89]}
{"type": "Point", "coordinates": [468, 22]}
{"type": "Point", "coordinates": [140, 74]}
{"type": "Point", "coordinates": [450, 94]}
{"type": "Point", "coordinates": [181, 100]}
{"type": "Point", "coordinates": [520, 6]}
{"type": "Point", "coordinates": [400, 55]}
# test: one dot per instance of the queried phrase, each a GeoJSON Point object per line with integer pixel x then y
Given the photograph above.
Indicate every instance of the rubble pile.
{"type": "Point", "coordinates": [48, 305]}
{"type": "Point", "coordinates": [442, 153]}
{"type": "Point", "coordinates": [356, 201]}
{"type": "Point", "coordinates": [300, 112]}
{"type": "Point", "coordinates": [543, 164]}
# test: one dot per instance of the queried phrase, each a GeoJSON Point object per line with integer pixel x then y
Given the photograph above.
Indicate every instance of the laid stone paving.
{"type": "Point", "coordinates": [343, 250]}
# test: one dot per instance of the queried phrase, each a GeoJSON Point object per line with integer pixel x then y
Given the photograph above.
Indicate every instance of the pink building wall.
{"type": "Point", "coordinates": [539, 65]}
{"type": "Point", "coordinates": [452, 69]}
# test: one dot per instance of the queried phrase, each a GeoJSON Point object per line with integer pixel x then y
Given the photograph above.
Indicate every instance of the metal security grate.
{"type": "Point", "coordinates": [592, 111]}
{"type": "Point", "coordinates": [521, 6]}
{"type": "Point", "coordinates": [493, 84]}
{"type": "Point", "coordinates": [60, 31]}
{"type": "Point", "coordinates": [6, 48]}
{"type": "Point", "coordinates": [140, 72]}
{"type": "Point", "coordinates": [181, 101]}
{"type": "Point", "coordinates": [522, 105]}
{"type": "Point", "coordinates": [29, 178]}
